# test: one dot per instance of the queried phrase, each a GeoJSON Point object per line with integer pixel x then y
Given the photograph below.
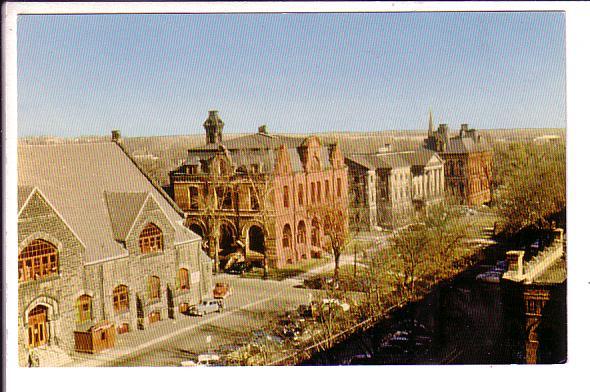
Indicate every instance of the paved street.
{"type": "Point", "coordinates": [252, 305]}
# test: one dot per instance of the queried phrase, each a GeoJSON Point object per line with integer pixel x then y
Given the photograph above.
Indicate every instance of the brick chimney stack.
{"type": "Point", "coordinates": [116, 135]}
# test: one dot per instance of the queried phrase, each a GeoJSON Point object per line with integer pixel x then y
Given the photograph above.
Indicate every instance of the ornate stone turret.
{"type": "Point", "coordinates": [213, 127]}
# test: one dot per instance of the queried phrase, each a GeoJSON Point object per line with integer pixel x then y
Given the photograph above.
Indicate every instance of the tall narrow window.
{"type": "Point", "coordinates": [287, 236]}
{"type": "Point", "coordinates": [193, 197]}
{"type": "Point", "coordinates": [301, 232]}
{"type": "Point", "coordinates": [151, 239]}
{"type": "Point", "coordinates": [286, 196]}
{"type": "Point", "coordinates": [338, 187]}
{"type": "Point", "coordinates": [254, 204]}
{"type": "Point", "coordinates": [327, 189]}
{"type": "Point", "coordinates": [300, 196]}
{"type": "Point", "coordinates": [313, 192]}
{"type": "Point", "coordinates": [121, 299]}
{"type": "Point", "coordinates": [153, 288]}
{"type": "Point", "coordinates": [183, 279]}
{"type": "Point", "coordinates": [319, 189]}
{"type": "Point", "coordinates": [84, 308]}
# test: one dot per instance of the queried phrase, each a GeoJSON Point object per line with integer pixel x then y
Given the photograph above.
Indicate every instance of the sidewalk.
{"type": "Point", "coordinates": [134, 342]}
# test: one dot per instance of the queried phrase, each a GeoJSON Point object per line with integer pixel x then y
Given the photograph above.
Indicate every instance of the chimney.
{"type": "Point", "coordinates": [262, 130]}
{"type": "Point", "coordinates": [515, 262]}
{"type": "Point", "coordinates": [464, 129]}
{"type": "Point", "coordinates": [116, 135]}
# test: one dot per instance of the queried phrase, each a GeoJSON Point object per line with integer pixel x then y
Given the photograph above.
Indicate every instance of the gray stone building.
{"type": "Point", "coordinates": [387, 187]}
{"type": "Point", "coordinates": [99, 244]}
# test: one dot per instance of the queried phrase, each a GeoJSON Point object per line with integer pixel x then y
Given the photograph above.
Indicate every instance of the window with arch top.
{"type": "Point", "coordinates": [37, 260]}
{"type": "Point", "coordinates": [151, 239]}
{"type": "Point", "coordinates": [121, 299]}
{"type": "Point", "coordinates": [84, 308]}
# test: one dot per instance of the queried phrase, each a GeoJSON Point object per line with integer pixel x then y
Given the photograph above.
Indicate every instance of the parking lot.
{"type": "Point", "coordinates": [252, 304]}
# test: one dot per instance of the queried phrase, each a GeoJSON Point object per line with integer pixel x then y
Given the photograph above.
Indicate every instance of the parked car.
{"type": "Point", "coordinates": [207, 359]}
{"type": "Point", "coordinates": [205, 307]}
{"type": "Point", "coordinates": [221, 290]}
{"type": "Point", "coordinates": [238, 268]}
{"type": "Point", "coordinates": [333, 302]}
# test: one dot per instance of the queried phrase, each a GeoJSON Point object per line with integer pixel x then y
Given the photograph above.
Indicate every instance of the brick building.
{"type": "Point", "coordinates": [386, 187]}
{"type": "Point", "coordinates": [99, 244]}
{"type": "Point", "coordinates": [261, 193]}
{"type": "Point", "coordinates": [468, 162]}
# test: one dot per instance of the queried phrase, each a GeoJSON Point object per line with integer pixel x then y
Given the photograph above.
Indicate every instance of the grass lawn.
{"type": "Point", "coordinates": [289, 270]}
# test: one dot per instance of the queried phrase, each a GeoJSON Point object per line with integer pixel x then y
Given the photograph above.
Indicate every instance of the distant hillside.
{"type": "Point", "coordinates": [161, 154]}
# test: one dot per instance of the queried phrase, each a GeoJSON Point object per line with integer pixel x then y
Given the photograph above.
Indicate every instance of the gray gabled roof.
{"type": "Point", "coordinates": [466, 144]}
{"type": "Point", "coordinates": [80, 180]}
{"type": "Point", "coordinates": [123, 209]}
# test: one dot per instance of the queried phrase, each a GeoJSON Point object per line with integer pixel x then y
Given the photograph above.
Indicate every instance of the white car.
{"type": "Point", "coordinates": [207, 359]}
{"type": "Point", "coordinates": [327, 302]}
{"type": "Point", "coordinates": [205, 307]}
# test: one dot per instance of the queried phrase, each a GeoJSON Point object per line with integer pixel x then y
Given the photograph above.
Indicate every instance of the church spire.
{"type": "Point", "coordinates": [430, 124]}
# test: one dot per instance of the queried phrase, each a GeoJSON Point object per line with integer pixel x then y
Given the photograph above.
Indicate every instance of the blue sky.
{"type": "Point", "coordinates": [160, 74]}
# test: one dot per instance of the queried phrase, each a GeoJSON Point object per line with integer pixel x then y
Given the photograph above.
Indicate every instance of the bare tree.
{"type": "Point", "coordinates": [261, 188]}
{"type": "Point", "coordinates": [334, 218]}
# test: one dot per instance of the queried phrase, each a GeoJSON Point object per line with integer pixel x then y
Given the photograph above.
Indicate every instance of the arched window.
{"type": "Point", "coordinates": [37, 260]}
{"type": "Point", "coordinates": [315, 233]}
{"type": "Point", "coordinates": [301, 232]}
{"type": "Point", "coordinates": [121, 299]}
{"type": "Point", "coordinates": [153, 288]}
{"type": "Point", "coordinates": [151, 239]}
{"type": "Point", "coordinates": [183, 279]}
{"type": "Point", "coordinates": [84, 308]}
{"type": "Point", "coordinates": [287, 236]}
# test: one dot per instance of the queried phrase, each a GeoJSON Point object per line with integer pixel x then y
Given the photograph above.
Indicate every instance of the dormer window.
{"type": "Point", "coordinates": [151, 239]}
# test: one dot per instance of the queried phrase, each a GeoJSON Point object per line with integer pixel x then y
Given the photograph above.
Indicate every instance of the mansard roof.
{"type": "Point", "coordinates": [467, 144]}
{"type": "Point", "coordinates": [260, 149]}
{"type": "Point", "coordinates": [93, 185]}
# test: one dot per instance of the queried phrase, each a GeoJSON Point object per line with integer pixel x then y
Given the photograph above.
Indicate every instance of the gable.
{"type": "Point", "coordinates": [283, 163]}
{"type": "Point", "coordinates": [38, 215]}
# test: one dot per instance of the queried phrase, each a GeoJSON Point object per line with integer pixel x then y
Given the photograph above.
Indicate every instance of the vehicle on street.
{"type": "Point", "coordinates": [207, 359]}
{"type": "Point", "coordinates": [221, 290]}
{"type": "Point", "coordinates": [205, 307]}
{"type": "Point", "coordinates": [238, 268]}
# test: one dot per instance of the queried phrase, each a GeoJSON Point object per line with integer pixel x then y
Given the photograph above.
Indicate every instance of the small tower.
{"type": "Point", "coordinates": [213, 127]}
{"type": "Point", "coordinates": [430, 125]}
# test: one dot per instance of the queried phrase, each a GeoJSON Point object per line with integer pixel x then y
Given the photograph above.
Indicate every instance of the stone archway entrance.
{"type": "Point", "coordinates": [256, 239]}
{"type": "Point", "coordinates": [37, 321]}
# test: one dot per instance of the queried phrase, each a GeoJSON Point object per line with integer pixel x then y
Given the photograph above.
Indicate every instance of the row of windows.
{"type": "Point", "coordinates": [315, 194]}
{"type": "Point", "coordinates": [121, 296]}
{"type": "Point", "coordinates": [225, 199]}
{"type": "Point", "coordinates": [301, 234]}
